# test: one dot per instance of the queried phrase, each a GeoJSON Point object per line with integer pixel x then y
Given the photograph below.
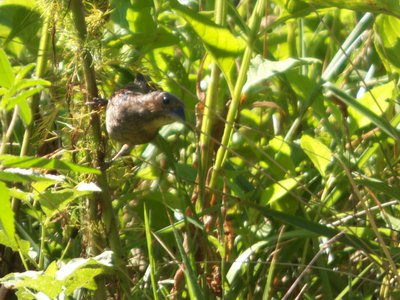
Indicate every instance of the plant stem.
{"type": "Point", "coordinates": [40, 68]}
{"type": "Point", "coordinates": [210, 109]}
{"type": "Point", "coordinates": [104, 197]}
{"type": "Point", "coordinates": [234, 107]}
{"type": "Point", "coordinates": [10, 130]}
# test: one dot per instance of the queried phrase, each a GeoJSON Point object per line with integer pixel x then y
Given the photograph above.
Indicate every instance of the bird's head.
{"type": "Point", "coordinates": [164, 107]}
{"type": "Point", "coordinates": [134, 116]}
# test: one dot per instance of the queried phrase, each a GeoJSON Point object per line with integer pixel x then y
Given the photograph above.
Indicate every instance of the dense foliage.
{"type": "Point", "coordinates": [282, 183]}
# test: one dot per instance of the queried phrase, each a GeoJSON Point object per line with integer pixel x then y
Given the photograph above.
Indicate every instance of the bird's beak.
{"type": "Point", "coordinates": [178, 113]}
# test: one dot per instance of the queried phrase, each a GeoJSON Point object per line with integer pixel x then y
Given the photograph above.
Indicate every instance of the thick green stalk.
{"type": "Point", "coordinates": [207, 125]}
{"type": "Point", "coordinates": [103, 198]}
{"type": "Point", "coordinates": [210, 108]}
{"type": "Point", "coordinates": [234, 107]}
{"type": "Point", "coordinates": [40, 68]}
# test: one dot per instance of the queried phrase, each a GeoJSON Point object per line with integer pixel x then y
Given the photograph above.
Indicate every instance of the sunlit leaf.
{"type": "Point", "coordinates": [216, 37]}
{"type": "Point", "coordinates": [243, 259]}
{"type": "Point", "coordinates": [219, 41]}
{"type": "Point", "coordinates": [8, 235]}
{"type": "Point", "coordinates": [53, 283]}
{"type": "Point", "coordinates": [319, 154]}
{"type": "Point", "coordinates": [27, 3]}
{"type": "Point", "coordinates": [274, 195]}
{"type": "Point", "coordinates": [262, 69]}
{"type": "Point", "coordinates": [6, 74]}
{"type": "Point", "coordinates": [19, 25]}
{"type": "Point", "coordinates": [25, 112]}
{"type": "Point", "coordinates": [6, 213]}
{"type": "Point", "coordinates": [377, 100]}
{"type": "Point", "coordinates": [304, 7]}
{"type": "Point", "coordinates": [24, 175]}
{"type": "Point", "coordinates": [375, 6]}
{"type": "Point", "coordinates": [22, 97]}
{"type": "Point", "coordinates": [282, 153]}
{"type": "Point", "coordinates": [52, 202]}
{"type": "Point", "coordinates": [44, 163]}
{"type": "Point", "coordinates": [140, 18]}
{"type": "Point", "coordinates": [379, 121]}
{"type": "Point", "coordinates": [387, 41]}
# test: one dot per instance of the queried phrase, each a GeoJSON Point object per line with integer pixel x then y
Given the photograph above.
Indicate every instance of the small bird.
{"type": "Point", "coordinates": [135, 114]}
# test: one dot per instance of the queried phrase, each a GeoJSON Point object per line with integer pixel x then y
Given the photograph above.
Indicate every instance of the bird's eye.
{"type": "Point", "coordinates": [165, 99]}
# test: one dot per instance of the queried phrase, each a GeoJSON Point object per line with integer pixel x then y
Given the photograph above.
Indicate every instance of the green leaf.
{"type": "Point", "coordinates": [262, 69]}
{"type": "Point", "coordinates": [379, 186]}
{"type": "Point", "coordinates": [140, 18]}
{"type": "Point", "coordinates": [26, 3]}
{"type": "Point", "coordinates": [223, 46]}
{"type": "Point", "coordinates": [376, 100]}
{"type": "Point", "coordinates": [282, 153]}
{"type": "Point", "coordinates": [314, 227]}
{"type": "Point", "coordinates": [365, 232]}
{"type": "Point", "coordinates": [150, 250]}
{"type": "Point", "coordinates": [147, 173]}
{"type": "Point", "coordinates": [19, 25]}
{"type": "Point", "coordinates": [16, 95]}
{"type": "Point", "coordinates": [380, 122]}
{"type": "Point", "coordinates": [6, 73]}
{"type": "Point", "coordinates": [8, 236]}
{"type": "Point", "coordinates": [44, 163]}
{"type": "Point", "coordinates": [77, 273]}
{"type": "Point", "coordinates": [274, 195]}
{"type": "Point", "coordinates": [390, 7]}
{"type": "Point", "coordinates": [216, 37]}
{"type": "Point", "coordinates": [185, 172]}
{"type": "Point", "coordinates": [21, 97]}
{"type": "Point", "coordinates": [24, 71]}
{"type": "Point", "coordinates": [387, 41]}
{"type": "Point", "coordinates": [25, 112]}
{"type": "Point", "coordinates": [392, 222]}
{"type": "Point", "coordinates": [6, 212]}
{"type": "Point", "coordinates": [319, 154]}
{"type": "Point", "coordinates": [52, 202]}
{"type": "Point", "coordinates": [244, 257]}
{"type": "Point", "coordinates": [23, 175]}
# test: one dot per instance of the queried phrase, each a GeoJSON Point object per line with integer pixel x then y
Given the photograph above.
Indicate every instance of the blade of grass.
{"type": "Point", "coordinates": [152, 261]}
{"type": "Point", "coordinates": [314, 227]}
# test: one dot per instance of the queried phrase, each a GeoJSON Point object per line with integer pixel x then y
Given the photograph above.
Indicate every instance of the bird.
{"type": "Point", "coordinates": [136, 113]}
